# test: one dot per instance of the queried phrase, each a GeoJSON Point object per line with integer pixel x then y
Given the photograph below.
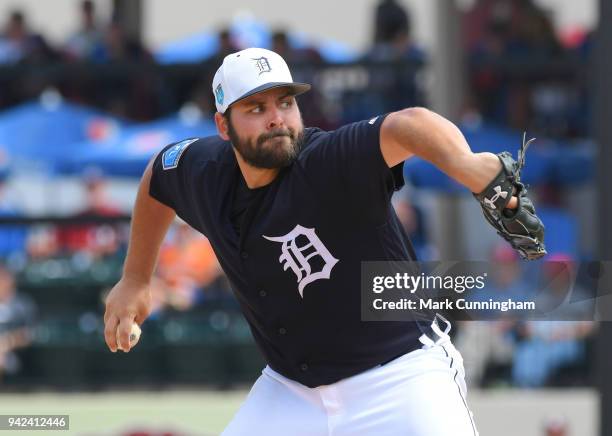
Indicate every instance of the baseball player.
{"type": "Point", "coordinates": [291, 212]}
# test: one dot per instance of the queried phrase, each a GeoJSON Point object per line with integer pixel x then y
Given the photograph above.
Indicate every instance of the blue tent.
{"type": "Point", "coordinates": [195, 48]}
{"type": "Point", "coordinates": [128, 153]}
{"type": "Point", "coordinates": [41, 135]}
{"type": "Point", "coordinates": [247, 32]}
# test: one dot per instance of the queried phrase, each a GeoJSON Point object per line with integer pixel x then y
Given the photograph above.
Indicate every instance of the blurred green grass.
{"type": "Point", "coordinates": [114, 413]}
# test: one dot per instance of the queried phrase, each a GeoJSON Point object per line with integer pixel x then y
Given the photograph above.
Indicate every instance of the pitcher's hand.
{"type": "Point", "coordinates": [127, 303]}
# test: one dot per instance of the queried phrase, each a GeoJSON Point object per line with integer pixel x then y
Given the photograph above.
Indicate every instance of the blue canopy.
{"type": "Point", "coordinates": [247, 32]}
{"type": "Point", "coordinates": [192, 49]}
{"type": "Point", "coordinates": [35, 134]}
{"type": "Point", "coordinates": [128, 153]}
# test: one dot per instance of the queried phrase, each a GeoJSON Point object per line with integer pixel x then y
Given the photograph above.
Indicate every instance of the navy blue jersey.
{"type": "Point", "coordinates": [293, 258]}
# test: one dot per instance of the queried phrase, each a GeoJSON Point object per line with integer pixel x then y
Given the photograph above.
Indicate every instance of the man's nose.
{"type": "Point", "coordinates": [276, 119]}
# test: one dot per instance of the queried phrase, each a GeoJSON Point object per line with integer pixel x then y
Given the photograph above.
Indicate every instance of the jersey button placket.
{"type": "Point", "coordinates": [303, 367]}
{"type": "Point", "coordinates": [262, 293]}
{"type": "Point", "coordinates": [244, 255]}
{"type": "Point", "coordinates": [282, 331]}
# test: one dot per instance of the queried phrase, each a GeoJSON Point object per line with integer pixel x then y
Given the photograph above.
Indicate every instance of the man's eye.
{"type": "Point", "coordinates": [256, 109]}
{"type": "Point", "coordinates": [286, 104]}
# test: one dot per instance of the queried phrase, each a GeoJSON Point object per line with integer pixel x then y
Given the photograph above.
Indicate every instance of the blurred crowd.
{"type": "Point", "coordinates": [17, 315]}
{"type": "Point", "coordinates": [516, 72]}
{"type": "Point", "coordinates": [503, 39]}
{"type": "Point", "coordinates": [532, 353]}
{"type": "Point", "coordinates": [92, 41]}
{"type": "Point", "coordinates": [98, 41]}
{"type": "Point", "coordinates": [147, 93]}
{"type": "Point", "coordinates": [522, 71]}
{"type": "Point", "coordinates": [188, 273]}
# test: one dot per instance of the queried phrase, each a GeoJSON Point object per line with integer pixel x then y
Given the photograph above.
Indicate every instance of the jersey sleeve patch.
{"type": "Point", "coordinates": [172, 156]}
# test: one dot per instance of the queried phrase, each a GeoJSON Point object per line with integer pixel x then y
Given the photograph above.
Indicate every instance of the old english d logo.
{"type": "Point", "coordinates": [262, 65]}
{"type": "Point", "coordinates": [297, 257]}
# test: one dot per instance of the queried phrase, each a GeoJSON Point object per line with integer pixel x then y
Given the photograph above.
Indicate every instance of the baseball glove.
{"type": "Point", "coordinates": [521, 227]}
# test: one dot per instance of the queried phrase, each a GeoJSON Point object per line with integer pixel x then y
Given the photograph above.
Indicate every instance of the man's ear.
{"type": "Point", "coordinates": [222, 127]}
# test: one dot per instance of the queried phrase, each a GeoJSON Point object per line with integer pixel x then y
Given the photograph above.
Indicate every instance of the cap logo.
{"type": "Point", "coordinates": [219, 94]}
{"type": "Point", "coordinates": [262, 64]}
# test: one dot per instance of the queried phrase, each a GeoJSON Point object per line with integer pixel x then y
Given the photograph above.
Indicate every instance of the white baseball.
{"type": "Point", "coordinates": [134, 336]}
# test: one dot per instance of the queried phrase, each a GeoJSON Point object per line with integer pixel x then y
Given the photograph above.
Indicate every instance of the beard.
{"type": "Point", "coordinates": [278, 148]}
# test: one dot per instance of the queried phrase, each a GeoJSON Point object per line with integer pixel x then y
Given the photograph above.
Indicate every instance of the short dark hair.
{"type": "Point", "coordinates": [230, 127]}
{"type": "Point", "coordinates": [17, 17]}
{"type": "Point", "coordinates": [87, 6]}
{"type": "Point", "coordinates": [227, 114]}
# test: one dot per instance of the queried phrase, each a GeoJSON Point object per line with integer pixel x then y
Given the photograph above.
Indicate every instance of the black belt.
{"type": "Point", "coordinates": [430, 332]}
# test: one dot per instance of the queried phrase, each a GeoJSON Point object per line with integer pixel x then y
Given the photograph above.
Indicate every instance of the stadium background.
{"type": "Point", "coordinates": [83, 110]}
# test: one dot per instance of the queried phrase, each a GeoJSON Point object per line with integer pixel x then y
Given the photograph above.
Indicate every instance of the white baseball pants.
{"type": "Point", "coordinates": [421, 393]}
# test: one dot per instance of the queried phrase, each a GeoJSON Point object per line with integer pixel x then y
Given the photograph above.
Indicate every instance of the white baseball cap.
{"type": "Point", "coordinates": [248, 72]}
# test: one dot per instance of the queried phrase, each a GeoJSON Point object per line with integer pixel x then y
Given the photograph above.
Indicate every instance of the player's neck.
{"type": "Point", "coordinates": [255, 177]}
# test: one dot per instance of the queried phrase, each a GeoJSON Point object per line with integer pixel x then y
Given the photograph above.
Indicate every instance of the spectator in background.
{"type": "Point", "coordinates": [19, 45]}
{"type": "Point", "coordinates": [306, 57]}
{"type": "Point", "coordinates": [134, 96]}
{"type": "Point", "coordinates": [392, 34]}
{"type": "Point", "coordinates": [581, 117]}
{"type": "Point", "coordinates": [490, 343]}
{"type": "Point", "coordinates": [412, 219]}
{"type": "Point", "coordinates": [390, 19]}
{"type": "Point", "coordinates": [42, 243]}
{"type": "Point", "coordinates": [16, 40]}
{"type": "Point", "coordinates": [535, 33]}
{"type": "Point", "coordinates": [489, 90]}
{"type": "Point", "coordinates": [282, 46]}
{"type": "Point", "coordinates": [510, 28]}
{"type": "Point", "coordinates": [119, 47]}
{"type": "Point", "coordinates": [17, 314]}
{"type": "Point", "coordinates": [395, 86]}
{"type": "Point", "coordinates": [226, 44]}
{"type": "Point", "coordinates": [189, 269]}
{"type": "Point", "coordinates": [97, 201]}
{"type": "Point", "coordinates": [202, 98]}
{"type": "Point", "coordinates": [201, 94]}
{"type": "Point", "coordinates": [499, 31]}
{"type": "Point", "coordinates": [97, 240]}
{"type": "Point", "coordinates": [87, 42]}
{"type": "Point", "coordinates": [547, 346]}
